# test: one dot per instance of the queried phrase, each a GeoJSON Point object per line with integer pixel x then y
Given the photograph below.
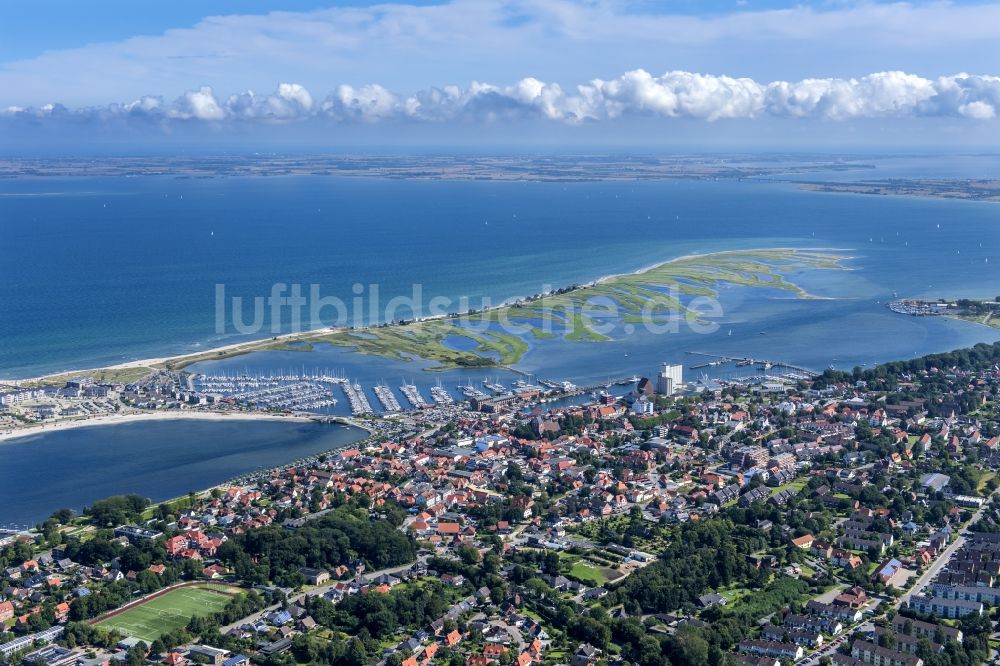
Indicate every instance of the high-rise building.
{"type": "Point", "coordinates": [670, 379]}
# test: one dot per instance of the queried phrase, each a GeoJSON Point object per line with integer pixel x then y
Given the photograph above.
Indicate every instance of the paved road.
{"type": "Point", "coordinates": [922, 582]}
{"type": "Point", "coordinates": [942, 560]}
{"type": "Point", "coordinates": [831, 647]}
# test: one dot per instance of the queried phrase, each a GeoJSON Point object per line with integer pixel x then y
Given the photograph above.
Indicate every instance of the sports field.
{"type": "Point", "coordinates": [149, 620]}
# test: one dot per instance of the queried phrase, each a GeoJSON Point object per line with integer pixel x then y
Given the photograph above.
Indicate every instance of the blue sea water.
{"type": "Point", "coordinates": [157, 459]}
{"type": "Point", "coordinates": [95, 271]}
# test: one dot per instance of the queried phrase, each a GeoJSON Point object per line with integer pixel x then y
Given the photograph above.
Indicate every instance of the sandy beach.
{"type": "Point", "coordinates": [248, 345]}
{"type": "Point", "coordinates": [134, 417]}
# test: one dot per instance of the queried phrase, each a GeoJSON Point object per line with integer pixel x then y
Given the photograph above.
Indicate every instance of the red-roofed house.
{"type": "Point", "coordinates": [176, 545]}
{"type": "Point", "coordinates": [804, 542]}
{"type": "Point", "coordinates": [175, 659]}
{"type": "Point", "coordinates": [493, 650]}
{"type": "Point", "coordinates": [448, 529]}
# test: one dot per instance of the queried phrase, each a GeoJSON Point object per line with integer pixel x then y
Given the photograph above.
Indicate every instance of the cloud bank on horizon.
{"type": "Point", "coordinates": [676, 94]}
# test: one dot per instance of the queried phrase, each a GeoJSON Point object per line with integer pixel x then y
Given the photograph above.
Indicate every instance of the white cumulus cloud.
{"type": "Point", "coordinates": [675, 94]}
{"type": "Point", "coordinates": [198, 104]}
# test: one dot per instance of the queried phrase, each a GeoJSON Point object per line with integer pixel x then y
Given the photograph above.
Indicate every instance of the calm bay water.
{"type": "Point", "coordinates": [156, 459]}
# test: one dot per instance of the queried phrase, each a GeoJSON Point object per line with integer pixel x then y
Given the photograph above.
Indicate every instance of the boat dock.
{"type": "Point", "coordinates": [411, 393]}
{"type": "Point", "coordinates": [356, 396]}
{"type": "Point", "coordinates": [797, 372]}
{"type": "Point", "coordinates": [495, 386]}
{"type": "Point", "coordinates": [441, 395]}
{"type": "Point", "coordinates": [386, 397]}
{"type": "Point", "coordinates": [470, 391]}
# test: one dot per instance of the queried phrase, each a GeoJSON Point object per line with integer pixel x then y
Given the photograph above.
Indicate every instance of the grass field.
{"type": "Point", "coordinates": [734, 593]}
{"type": "Point", "coordinates": [173, 610]}
{"type": "Point", "coordinates": [797, 484]}
{"type": "Point", "coordinates": [588, 573]}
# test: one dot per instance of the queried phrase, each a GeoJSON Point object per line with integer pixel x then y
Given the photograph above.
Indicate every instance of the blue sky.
{"type": "Point", "coordinates": [229, 70]}
{"type": "Point", "coordinates": [30, 28]}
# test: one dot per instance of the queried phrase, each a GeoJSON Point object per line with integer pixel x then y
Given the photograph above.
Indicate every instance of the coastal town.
{"type": "Point", "coordinates": [845, 518]}
{"type": "Point", "coordinates": [500, 333]}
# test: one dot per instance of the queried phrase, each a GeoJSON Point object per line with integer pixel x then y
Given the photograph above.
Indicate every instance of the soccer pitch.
{"type": "Point", "coordinates": [152, 619]}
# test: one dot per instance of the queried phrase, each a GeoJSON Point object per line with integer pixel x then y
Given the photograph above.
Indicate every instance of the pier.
{"type": "Point", "coordinates": [747, 361]}
{"type": "Point", "coordinates": [412, 395]}
{"type": "Point", "coordinates": [388, 400]}
{"type": "Point", "coordinates": [441, 395]}
{"type": "Point", "coordinates": [357, 398]}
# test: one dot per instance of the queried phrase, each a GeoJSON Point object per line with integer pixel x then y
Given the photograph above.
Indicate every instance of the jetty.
{"type": "Point", "coordinates": [441, 395]}
{"type": "Point", "coordinates": [412, 394]}
{"type": "Point", "coordinates": [386, 397]}
{"type": "Point", "coordinates": [357, 398]}
{"type": "Point", "coordinates": [748, 361]}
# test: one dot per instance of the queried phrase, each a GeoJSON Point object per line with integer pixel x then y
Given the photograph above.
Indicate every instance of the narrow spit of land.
{"type": "Point", "coordinates": [501, 333]}
{"type": "Point", "coordinates": [146, 416]}
{"type": "Point", "coordinates": [937, 188]}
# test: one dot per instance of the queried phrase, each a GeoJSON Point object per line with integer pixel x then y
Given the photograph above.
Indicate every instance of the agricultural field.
{"type": "Point", "coordinates": [150, 620]}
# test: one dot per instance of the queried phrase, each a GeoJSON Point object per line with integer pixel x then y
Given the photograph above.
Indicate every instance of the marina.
{"type": "Point", "coordinates": [288, 391]}
{"type": "Point", "coordinates": [314, 391]}
{"type": "Point", "coordinates": [916, 308]}
{"type": "Point", "coordinates": [280, 392]}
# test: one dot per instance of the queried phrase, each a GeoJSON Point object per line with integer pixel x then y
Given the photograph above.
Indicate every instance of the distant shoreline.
{"type": "Point", "coordinates": [564, 168]}
{"type": "Point", "coordinates": [954, 189]}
